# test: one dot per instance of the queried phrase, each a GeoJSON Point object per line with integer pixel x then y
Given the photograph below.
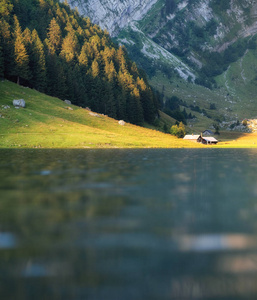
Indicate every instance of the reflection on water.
{"type": "Point", "coordinates": [7, 240]}
{"type": "Point", "coordinates": [216, 242]}
{"type": "Point", "coordinates": [128, 224]}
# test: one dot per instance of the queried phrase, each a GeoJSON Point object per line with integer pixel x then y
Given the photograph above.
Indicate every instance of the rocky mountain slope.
{"type": "Point", "coordinates": [204, 43]}
{"type": "Point", "coordinates": [178, 34]}
{"type": "Point", "coordinates": [112, 14]}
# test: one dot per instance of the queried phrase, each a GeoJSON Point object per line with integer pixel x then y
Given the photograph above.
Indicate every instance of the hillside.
{"type": "Point", "coordinates": [48, 122]}
{"type": "Point", "coordinates": [47, 46]}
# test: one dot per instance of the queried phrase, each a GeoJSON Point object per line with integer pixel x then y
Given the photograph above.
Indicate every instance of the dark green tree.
{"type": "Point", "coordinates": [38, 63]}
{"type": "Point", "coordinates": [21, 58]}
{"type": "Point", "coordinates": [1, 63]}
{"type": "Point", "coordinates": [7, 46]}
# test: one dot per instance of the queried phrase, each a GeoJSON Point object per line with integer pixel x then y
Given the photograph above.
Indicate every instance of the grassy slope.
{"type": "Point", "coordinates": [46, 122]}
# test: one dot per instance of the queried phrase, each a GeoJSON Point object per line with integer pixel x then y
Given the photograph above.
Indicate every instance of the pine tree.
{"type": "Point", "coordinates": [69, 47]}
{"type": "Point", "coordinates": [21, 57]}
{"type": "Point", "coordinates": [7, 48]}
{"type": "Point", "coordinates": [38, 64]}
{"type": "Point", "coordinates": [134, 108]}
{"type": "Point", "coordinates": [110, 71]}
{"type": "Point", "coordinates": [110, 104]}
{"type": "Point", "coordinates": [134, 71]}
{"type": "Point", "coordinates": [147, 101]}
{"type": "Point", "coordinates": [6, 8]}
{"type": "Point", "coordinates": [79, 87]}
{"type": "Point", "coordinates": [121, 60]}
{"type": "Point", "coordinates": [95, 69]}
{"type": "Point", "coordinates": [54, 37]}
{"type": "Point", "coordinates": [121, 104]}
{"type": "Point", "coordinates": [1, 63]}
{"type": "Point", "coordinates": [83, 58]}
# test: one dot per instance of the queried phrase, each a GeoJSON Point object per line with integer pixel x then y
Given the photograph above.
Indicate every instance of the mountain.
{"type": "Point", "coordinates": [202, 51]}
{"type": "Point", "coordinates": [178, 32]}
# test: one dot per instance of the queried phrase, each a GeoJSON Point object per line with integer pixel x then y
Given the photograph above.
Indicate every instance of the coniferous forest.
{"type": "Point", "coordinates": [49, 47]}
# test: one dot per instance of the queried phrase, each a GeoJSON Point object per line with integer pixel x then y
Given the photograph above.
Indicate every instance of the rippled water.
{"type": "Point", "coordinates": [128, 224]}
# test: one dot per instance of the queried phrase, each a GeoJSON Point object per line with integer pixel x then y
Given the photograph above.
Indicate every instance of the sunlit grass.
{"type": "Point", "coordinates": [48, 123]}
{"type": "Point", "coordinates": [237, 140]}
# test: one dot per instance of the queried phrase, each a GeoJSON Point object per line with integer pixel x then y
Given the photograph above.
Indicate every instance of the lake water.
{"type": "Point", "coordinates": [128, 224]}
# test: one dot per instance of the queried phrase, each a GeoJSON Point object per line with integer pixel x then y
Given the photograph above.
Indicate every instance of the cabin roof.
{"type": "Point", "coordinates": [210, 139]}
{"type": "Point", "coordinates": [207, 131]}
{"type": "Point", "coordinates": [191, 137]}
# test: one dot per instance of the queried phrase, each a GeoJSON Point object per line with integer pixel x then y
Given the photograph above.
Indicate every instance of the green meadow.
{"type": "Point", "coordinates": [48, 122]}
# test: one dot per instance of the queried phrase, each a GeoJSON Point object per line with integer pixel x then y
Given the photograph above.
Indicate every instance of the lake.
{"type": "Point", "coordinates": [128, 224]}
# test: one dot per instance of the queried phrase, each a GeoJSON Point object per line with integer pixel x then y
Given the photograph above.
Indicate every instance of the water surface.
{"type": "Point", "coordinates": [128, 224]}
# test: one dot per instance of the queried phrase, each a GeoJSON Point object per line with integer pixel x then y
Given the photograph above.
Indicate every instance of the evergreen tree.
{"type": "Point", "coordinates": [83, 58]}
{"type": "Point", "coordinates": [38, 63]}
{"type": "Point", "coordinates": [5, 9]}
{"type": "Point", "coordinates": [69, 47]}
{"type": "Point", "coordinates": [54, 37]}
{"type": "Point", "coordinates": [110, 72]}
{"type": "Point", "coordinates": [6, 42]}
{"type": "Point", "coordinates": [21, 57]}
{"type": "Point", "coordinates": [121, 104]}
{"type": "Point", "coordinates": [147, 101]}
{"type": "Point", "coordinates": [110, 104]}
{"type": "Point", "coordinates": [95, 69]}
{"type": "Point", "coordinates": [1, 63]}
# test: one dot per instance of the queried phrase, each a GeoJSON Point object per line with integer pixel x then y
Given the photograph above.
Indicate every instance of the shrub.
{"type": "Point", "coordinates": [178, 130]}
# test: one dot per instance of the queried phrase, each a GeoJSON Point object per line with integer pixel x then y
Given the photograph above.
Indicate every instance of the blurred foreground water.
{"type": "Point", "coordinates": [128, 224]}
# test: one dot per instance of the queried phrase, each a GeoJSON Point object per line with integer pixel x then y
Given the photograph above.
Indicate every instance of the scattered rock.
{"type": "Point", "coordinates": [87, 108]}
{"type": "Point", "coordinates": [93, 114]}
{"type": "Point", "coordinates": [121, 122]}
{"type": "Point", "coordinates": [67, 102]}
{"type": "Point", "coordinates": [19, 103]}
{"type": "Point", "coordinates": [69, 108]}
{"type": "Point", "coordinates": [5, 106]}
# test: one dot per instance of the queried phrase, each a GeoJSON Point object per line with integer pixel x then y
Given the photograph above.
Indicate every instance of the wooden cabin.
{"type": "Point", "coordinates": [208, 140]}
{"type": "Point", "coordinates": [201, 139]}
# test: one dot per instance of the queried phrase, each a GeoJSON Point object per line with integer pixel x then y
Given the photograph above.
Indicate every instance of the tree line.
{"type": "Point", "coordinates": [47, 46]}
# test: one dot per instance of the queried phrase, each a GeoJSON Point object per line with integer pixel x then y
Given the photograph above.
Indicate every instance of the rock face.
{"type": "Point", "coordinates": [113, 14]}
{"type": "Point", "coordinates": [19, 103]}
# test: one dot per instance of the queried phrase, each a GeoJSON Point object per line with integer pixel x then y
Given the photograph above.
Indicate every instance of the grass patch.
{"type": "Point", "coordinates": [47, 122]}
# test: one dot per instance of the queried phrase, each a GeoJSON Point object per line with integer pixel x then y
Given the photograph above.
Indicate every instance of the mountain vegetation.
{"type": "Point", "coordinates": [49, 47]}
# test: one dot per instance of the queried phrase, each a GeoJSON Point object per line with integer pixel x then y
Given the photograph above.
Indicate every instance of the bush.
{"type": "Point", "coordinates": [178, 130]}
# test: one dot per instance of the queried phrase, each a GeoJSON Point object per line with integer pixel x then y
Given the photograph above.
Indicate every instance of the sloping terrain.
{"type": "Point", "coordinates": [48, 122]}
